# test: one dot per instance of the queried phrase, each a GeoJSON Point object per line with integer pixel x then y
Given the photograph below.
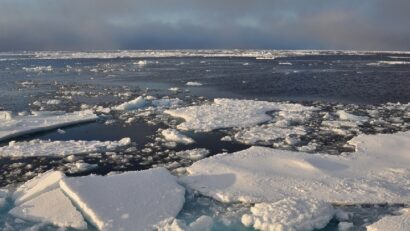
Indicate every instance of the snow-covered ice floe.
{"type": "Point", "coordinates": [225, 113]}
{"type": "Point", "coordinates": [289, 214]}
{"type": "Point", "coordinates": [378, 172]}
{"type": "Point", "coordinates": [127, 201]}
{"type": "Point", "coordinates": [131, 105]}
{"type": "Point", "coordinates": [396, 223]}
{"type": "Point", "coordinates": [175, 136]}
{"type": "Point", "coordinates": [379, 63]}
{"type": "Point", "coordinates": [60, 148]}
{"type": "Point", "coordinates": [13, 126]}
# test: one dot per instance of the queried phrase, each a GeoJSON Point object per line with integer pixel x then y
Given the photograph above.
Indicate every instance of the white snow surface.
{"type": "Point", "coordinates": [51, 207]}
{"type": "Point", "coordinates": [378, 172]}
{"type": "Point", "coordinates": [396, 223]}
{"type": "Point", "coordinates": [175, 136]}
{"type": "Point", "coordinates": [289, 214]}
{"type": "Point", "coordinates": [59, 148]}
{"type": "Point", "coordinates": [224, 113]}
{"type": "Point", "coordinates": [14, 126]}
{"type": "Point", "coordinates": [36, 186]}
{"type": "Point", "coordinates": [127, 201]}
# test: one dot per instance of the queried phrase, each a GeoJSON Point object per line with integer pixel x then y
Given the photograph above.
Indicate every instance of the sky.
{"type": "Point", "coordinates": [204, 24]}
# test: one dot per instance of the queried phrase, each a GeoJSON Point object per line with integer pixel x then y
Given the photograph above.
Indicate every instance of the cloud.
{"type": "Point", "coordinates": [158, 24]}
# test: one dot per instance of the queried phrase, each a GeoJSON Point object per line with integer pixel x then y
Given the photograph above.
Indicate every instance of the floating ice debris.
{"type": "Point", "coordinates": [14, 126]}
{"type": "Point", "coordinates": [289, 214]}
{"type": "Point", "coordinates": [166, 103]}
{"type": "Point", "coordinates": [51, 207]}
{"type": "Point", "coordinates": [347, 116]}
{"type": "Point", "coordinates": [285, 63]}
{"type": "Point", "coordinates": [203, 223]}
{"type": "Point", "coordinates": [127, 201]}
{"type": "Point", "coordinates": [193, 154]}
{"type": "Point", "coordinates": [80, 167]}
{"type": "Point", "coordinates": [36, 186]}
{"type": "Point", "coordinates": [379, 63]}
{"type": "Point", "coordinates": [60, 148]}
{"type": "Point", "coordinates": [174, 89]}
{"type": "Point", "coordinates": [396, 223]}
{"type": "Point", "coordinates": [378, 172]}
{"type": "Point", "coordinates": [266, 133]}
{"type": "Point", "coordinates": [141, 63]}
{"type": "Point", "coordinates": [175, 136]}
{"type": "Point", "coordinates": [193, 84]}
{"type": "Point", "coordinates": [53, 102]}
{"type": "Point", "coordinates": [38, 69]}
{"type": "Point", "coordinates": [131, 105]}
{"type": "Point", "coordinates": [224, 113]}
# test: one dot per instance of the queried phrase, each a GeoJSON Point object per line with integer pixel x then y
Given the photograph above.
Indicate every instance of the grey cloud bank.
{"type": "Point", "coordinates": [174, 24]}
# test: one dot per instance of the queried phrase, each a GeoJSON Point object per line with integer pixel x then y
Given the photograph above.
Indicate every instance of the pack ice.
{"type": "Point", "coordinates": [225, 113]}
{"type": "Point", "coordinates": [14, 126]}
{"type": "Point", "coordinates": [378, 172]}
{"type": "Point", "coordinates": [60, 148]}
{"type": "Point", "coordinates": [127, 201]}
{"type": "Point", "coordinates": [397, 223]}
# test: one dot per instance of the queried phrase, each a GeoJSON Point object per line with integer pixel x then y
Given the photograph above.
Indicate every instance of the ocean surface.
{"type": "Point", "coordinates": [355, 81]}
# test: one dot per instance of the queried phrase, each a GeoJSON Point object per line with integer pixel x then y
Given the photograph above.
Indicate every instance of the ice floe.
{"type": "Point", "coordinates": [38, 69]}
{"type": "Point", "coordinates": [51, 207]}
{"type": "Point", "coordinates": [175, 136]}
{"type": "Point", "coordinates": [60, 148]}
{"type": "Point", "coordinates": [289, 214]}
{"type": "Point", "coordinates": [224, 113]}
{"type": "Point", "coordinates": [127, 201]}
{"type": "Point", "coordinates": [193, 154]}
{"type": "Point", "coordinates": [132, 105]}
{"type": "Point", "coordinates": [14, 126]}
{"type": "Point", "coordinates": [195, 84]}
{"type": "Point", "coordinates": [203, 223]}
{"type": "Point", "coordinates": [396, 223]}
{"type": "Point", "coordinates": [36, 186]}
{"type": "Point", "coordinates": [266, 133]}
{"type": "Point", "coordinates": [379, 63]}
{"type": "Point", "coordinates": [377, 172]}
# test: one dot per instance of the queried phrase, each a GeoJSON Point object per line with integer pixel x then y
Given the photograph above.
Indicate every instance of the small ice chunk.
{"type": "Point", "coordinates": [396, 223]}
{"type": "Point", "coordinates": [41, 121]}
{"type": "Point", "coordinates": [166, 103]}
{"type": "Point", "coordinates": [36, 186]}
{"type": "Point", "coordinates": [347, 116]}
{"type": "Point", "coordinates": [131, 105]}
{"type": "Point", "coordinates": [6, 115]}
{"type": "Point", "coordinates": [203, 223]}
{"type": "Point", "coordinates": [174, 89]}
{"type": "Point", "coordinates": [127, 201]}
{"type": "Point", "coordinates": [141, 63]}
{"type": "Point", "coordinates": [193, 154]}
{"type": "Point", "coordinates": [193, 84]}
{"type": "Point", "coordinates": [52, 207]}
{"type": "Point", "coordinates": [53, 102]}
{"type": "Point", "coordinates": [266, 133]}
{"type": "Point", "coordinates": [289, 214]}
{"type": "Point", "coordinates": [175, 136]}
{"type": "Point", "coordinates": [60, 148]}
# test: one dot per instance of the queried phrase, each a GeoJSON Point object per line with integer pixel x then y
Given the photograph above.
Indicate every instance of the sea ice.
{"type": "Point", "coordinates": [51, 207]}
{"type": "Point", "coordinates": [60, 148]}
{"type": "Point", "coordinates": [193, 84]}
{"type": "Point", "coordinates": [224, 113]}
{"type": "Point", "coordinates": [175, 136]}
{"type": "Point", "coordinates": [36, 186]}
{"type": "Point", "coordinates": [396, 223]}
{"type": "Point", "coordinates": [193, 154]}
{"type": "Point", "coordinates": [266, 133]}
{"type": "Point", "coordinates": [127, 201]}
{"type": "Point", "coordinates": [203, 223]}
{"type": "Point", "coordinates": [14, 126]}
{"type": "Point", "coordinates": [289, 214]}
{"type": "Point", "coordinates": [378, 172]}
{"type": "Point", "coordinates": [134, 104]}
